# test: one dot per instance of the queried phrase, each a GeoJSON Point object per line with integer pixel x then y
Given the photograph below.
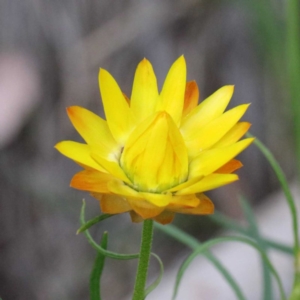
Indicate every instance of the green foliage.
{"type": "Point", "coordinates": [254, 232]}
{"type": "Point", "coordinates": [194, 244]}
{"type": "Point", "coordinates": [139, 292]}
{"type": "Point", "coordinates": [97, 271]}
{"type": "Point", "coordinates": [158, 279]}
{"type": "Point", "coordinates": [100, 249]}
{"type": "Point", "coordinates": [205, 246]}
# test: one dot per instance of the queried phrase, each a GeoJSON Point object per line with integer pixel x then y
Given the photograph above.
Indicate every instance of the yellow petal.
{"type": "Point", "coordinates": [165, 217]}
{"type": "Point", "coordinates": [92, 128]}
{"type": "Point", "coordinates": [171, 98]}
{"type": "Point", "coordinates": [144, 92]}
{"type": "Point", "coordinates": [126, 98]}
{"type": "Point", "coordinates": [209, 161]}
{"type": "Point", "coordinates": [229, 167]}
{"type": "Point", "coordinates": [155, 157]}
{"type": "Point", "coordinates": [191, 97]}
{"type": "Point", "coordinates": [113, 204]}
{"type": "Point", "coordinates": [92, 181]}
{"type": "Point", "coordinates": [160, 200]}
{"type": "Point", "coordinates": [119, 188]}
{"type": "Point", "coordinates": [184, 184]}
{"type": "Point", "coordinates": [205, 207]}
{"type": "Point", "coordinates": [110, 165]}
{"type": "Point", "coordinates": [208, 110]}
{"type": "Point", "coordinates": [145, 209]}
{"type": "Point", "coordinates": [233, 135]}
{"type": "Point", "coordinates": [201, 139]}
{"type": "Point", "coordinates": [78, 152]}
{"type": "Point", "coordinates": [209, 182]}
{"type": "Point", "coordinates": [184, 201]}
{"type": "Point", "coordinates": [116, 108]}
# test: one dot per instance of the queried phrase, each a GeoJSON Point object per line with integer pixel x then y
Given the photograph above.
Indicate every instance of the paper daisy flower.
{"type": "Point", "coordinates": [156, 153]}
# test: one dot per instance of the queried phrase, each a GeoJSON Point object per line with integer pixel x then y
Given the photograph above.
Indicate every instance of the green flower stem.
{"type": "Point", "coordinates": [142, 271]}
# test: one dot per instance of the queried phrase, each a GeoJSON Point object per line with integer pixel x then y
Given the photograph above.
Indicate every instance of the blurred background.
{"type": "Point", "coordinates": [50, 53]}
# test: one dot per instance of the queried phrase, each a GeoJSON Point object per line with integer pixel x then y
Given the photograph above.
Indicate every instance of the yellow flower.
{"type": "Point", "coordinates": [157, 153]}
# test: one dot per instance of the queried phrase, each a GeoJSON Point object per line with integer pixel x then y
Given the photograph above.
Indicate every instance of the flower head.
{"type": "Point", "coordinates": [157, 153]}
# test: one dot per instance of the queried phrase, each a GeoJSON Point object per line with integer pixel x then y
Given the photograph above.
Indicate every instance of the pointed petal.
{"type": "Point", "coordinates": [144, 92]}
{"type": "Point", "coordinates": [171, 98]}
{"type": "Point", "coordinates": [78, 152]}
{"type": "Point", "coordinates": [200, 139]}
{"type": "Point", "coordinates": [92, 128]}
{"type": "Point", "coordinates": [209, 182]}
{"type": "Point", "coordinates": [165, 217]}
{"type": "Point", "coordinates": [191, 97]}
{"type": "Point", "coordinates": [229, 167]}
{"type": "Point", "coordinates": [92, 181]}
{"type": "Point", "coordinates": [116, 108]}
{"type": "Point", "coordinates": [145, 209]}
{"type": "Point", "coordinates": [160, 200]}
{"type": "Point", "coordinates": [113, 204]}
{"type": "Point", "coordinates": [208, 110]}
{"type": "Point", "coordinates": [185, 184]}
{"type": "Point", "coordinates": [184, 201]}
{"type": "Point", "coordinates": [205, 207]}
{"type": "Point", "coordinates": [126, 98]}
{"type": "Point", "coordinates": [119, 188]}
{"type": "Point", "coordinates": [209, 161]}
{"type": "Point", "coordinates": [110, 164]}
{"type": "Point", "coordinates": [233, 135]}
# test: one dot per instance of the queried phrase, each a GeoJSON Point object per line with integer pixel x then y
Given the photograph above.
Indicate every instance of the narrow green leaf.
{"type": "Point", "coordinates": [105, 252]}
{"type": "Point", "coordinates": [92, 222]}
{"type": "Point", "coordinates": [97, 271]}
{"type": "Point", "coordinates": [286, 189]}
{"type": "Point", "coordinates": [248, 212]}
{"type": "Point", "coordinates": [193, 243]}
{"type": "Point", "coordinates": [230, 224]}
{"type": "Point", "coordinates": [279, 246]}
{"type": "Point", "coordinates": [201, 249]}
{"type": "Point", "coordinates": [293, 67]}
{"type": "Point", "coordinates": [158, 279]}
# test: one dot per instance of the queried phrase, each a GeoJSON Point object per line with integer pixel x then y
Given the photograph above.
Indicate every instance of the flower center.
{"type": "Point", "coordinates": [155, 156]}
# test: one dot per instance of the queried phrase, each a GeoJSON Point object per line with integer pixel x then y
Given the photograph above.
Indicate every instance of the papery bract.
{"type": "Point", "coordinates": [156, 153]}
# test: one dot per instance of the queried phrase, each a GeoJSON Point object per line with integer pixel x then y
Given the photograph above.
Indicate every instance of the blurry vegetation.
{"type": "Point", "coordinates": [65, 42]}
